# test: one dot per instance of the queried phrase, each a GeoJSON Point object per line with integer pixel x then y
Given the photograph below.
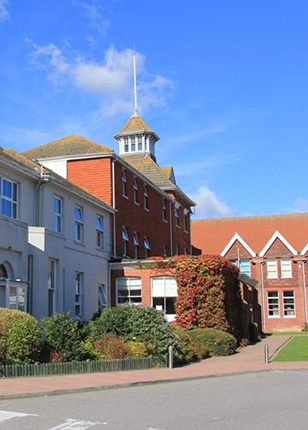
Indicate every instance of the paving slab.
{"type": "Point", "coordinates": [246, 360]}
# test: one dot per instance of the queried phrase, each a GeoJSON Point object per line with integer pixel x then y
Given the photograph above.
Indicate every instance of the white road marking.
{"type": "Point", "coordinates": [75, 425]}
{"type": "Point", "coordinates": [6, 415]}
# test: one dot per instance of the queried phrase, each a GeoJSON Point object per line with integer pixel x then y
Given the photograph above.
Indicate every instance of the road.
{"type": "Point", "coordinates": [270, 401]}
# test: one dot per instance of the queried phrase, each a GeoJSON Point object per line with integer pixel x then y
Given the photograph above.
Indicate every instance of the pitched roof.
{"type": "Point", "coordinates": [32, 167]}
{"type": "Point", "coordinates": [67, 146]}
{"type": "Point", "coordinates": [135, 124]}
{"type": "Point", "coordinates": [145, 164]}
{"type": "Point", "coordinates": [212, 235]}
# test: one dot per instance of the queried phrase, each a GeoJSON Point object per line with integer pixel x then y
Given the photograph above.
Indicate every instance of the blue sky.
{"type": "Point", "coordinates": [223, 83]}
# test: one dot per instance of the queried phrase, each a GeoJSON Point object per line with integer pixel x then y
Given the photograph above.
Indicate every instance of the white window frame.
{"type": "Point", "coordinates": [288, 304]}
{"type": "Point", "coordinates": [102, 298]}
{"type": "Point", "coordinates": [272, 268]}
{"type": "Point", "coordinates": [286, 267]}
{"type": "Point", "coordinates": [126, 144]}
{"type": "Point", "coordinates": [8, 201]}
{"type": "Point", "coordinates": [52, 286]}
{"type": "Point", "coordinates": [124, 183]}
{"type": "Point", "coordinates": [58, 214]}
{"type": "Point", "coordinates": [136, 246]}
{"type": "Point", "coordinates": [140, 143]}
{"type": "Point", "coordinates": [136, 190]}
{"type": "Point", "coordinates": [147, 247]}
{"type": "Point", "coordinates": [125, 240]}
{"type": "Point", "coordinates": [79, 280]}
{"type": "Point", "coordinates": [18, 300]}
{"type": "Point", "coordinates": [165, 210]}
{"type": "Point", "coordinates": [163, 291]}
{"type": "Point", "coordinates": [273, 305]}
{"type": "Point", "coordinates": [245, 263]}
{"type": "Point", "coordinates": [146, 197]}
{"type": "Point", "coordinates": [99, 224]}
{"type": "Point", "coordinates": [79, 223]}
{"type": "Point", "coordinates": [130, 286]}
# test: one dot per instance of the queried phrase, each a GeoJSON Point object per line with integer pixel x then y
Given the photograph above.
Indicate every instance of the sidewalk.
{"type": "Point", "coordinates": [247, 360]}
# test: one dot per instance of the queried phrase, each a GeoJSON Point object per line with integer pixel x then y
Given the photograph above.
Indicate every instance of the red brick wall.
{"type": "Point", "coordinates": [93, 175]}
{"type": "Point", "coordinates": [146, 223]}
{"type": "Point", "coordinates": [179, 235]}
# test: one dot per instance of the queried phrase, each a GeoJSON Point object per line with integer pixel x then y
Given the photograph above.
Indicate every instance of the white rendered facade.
{"type": "Point", "coordinates": [44, 267]}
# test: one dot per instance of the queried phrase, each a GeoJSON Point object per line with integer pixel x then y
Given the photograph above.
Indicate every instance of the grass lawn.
{"type": "Point", "coordinates": [295, 350]}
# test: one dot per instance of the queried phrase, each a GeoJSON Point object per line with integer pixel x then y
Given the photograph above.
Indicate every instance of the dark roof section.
{"type": "Point", "coordinates": [34, 168]}
{"type": "Point", "coordinates": [158, 175]}
{"type": "Point", "coordinates": [67, 146]}
{"type": "Point", "coordinates": [137, 125]}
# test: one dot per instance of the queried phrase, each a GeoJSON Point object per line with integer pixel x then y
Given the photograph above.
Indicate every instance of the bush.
{"type": "Point", "coordinates": [19, 337]}
{"type": "Point", "coordinates": [140, 349]}
{"type": "Point", "coordinates": [110, 347]}
{"type": "Point", "coordinates": [137, 323]}
{"type": "Point", "coordinates": [62, 337]}
{"type": "Point", "coordinates": [200, 343]}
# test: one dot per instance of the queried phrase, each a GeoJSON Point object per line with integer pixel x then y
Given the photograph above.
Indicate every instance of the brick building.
{"type": "Point", "coordinates": [152, 213]}
{"type": "Point", "coordinates": [271, 249]}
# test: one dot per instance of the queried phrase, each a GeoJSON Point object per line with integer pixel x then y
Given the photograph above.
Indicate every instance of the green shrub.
{"type": "Point", "coordinates": [140, 349]}
{"type": "Point", "coordinates": [62, 337]}
{"type": "Point", "coordinates": [19, 337]}
{"type": "Point", "coordinates": [137, 323]}
{"type": "Point", "coordinates": [200, 343]}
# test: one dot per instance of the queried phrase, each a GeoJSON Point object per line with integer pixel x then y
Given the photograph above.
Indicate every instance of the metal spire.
{"type": "Point", "coordinates": [135, 85]}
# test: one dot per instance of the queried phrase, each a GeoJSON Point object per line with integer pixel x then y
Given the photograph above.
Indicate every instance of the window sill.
{"type": "Point", "coordinates": [136, 203]}
{"type": "Point", "coordinates": [125, 197]}
{"type": "Point", "coordinates": [77, 242]}
{"type": "Point", "coordinates": [147, 210]}
{"type": "Point", "coordinates": [273, 316]}
{"type": "Point", "coordinates": [289, 316]}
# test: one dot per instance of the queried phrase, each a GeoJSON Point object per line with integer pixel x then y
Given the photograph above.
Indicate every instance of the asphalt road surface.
{"type": "Point", "coordinates": [276, 400]}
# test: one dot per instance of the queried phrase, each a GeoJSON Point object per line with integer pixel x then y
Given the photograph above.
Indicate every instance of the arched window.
{"type": "Point", "coordinates": [3, 271]}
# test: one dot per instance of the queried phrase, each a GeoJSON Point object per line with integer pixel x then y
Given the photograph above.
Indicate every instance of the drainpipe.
{"type": "Point", "coordinates": [304, 288]}
{"type": "Point", "coordinates": [114, 206]}
{"type": "Point", "coordinates": [262, 293]}
{"type": "Point", "coordinates": [171, 235]}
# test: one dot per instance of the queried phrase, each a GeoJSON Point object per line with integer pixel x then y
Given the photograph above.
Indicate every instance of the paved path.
{"type": "Point", "coordinates": [249, 359]}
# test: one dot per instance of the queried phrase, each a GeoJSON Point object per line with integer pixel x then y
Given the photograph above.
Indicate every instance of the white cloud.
{"type": "Point", "coordinates": [4, 13]}
{"type": "Point", "coordinates": [94, 11]}
{"type": "Point", "coordinates": [112, 78]}
{"type": "Point", "coordinates": [209, 205]}
{"type": "Point", "coordinates": [300, 205]}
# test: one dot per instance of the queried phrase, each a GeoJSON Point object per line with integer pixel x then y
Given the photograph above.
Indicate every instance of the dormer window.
{"type": "Point", "coordinates": [126, 144]}
{"type": "Point", "coordinates": [139, 143]}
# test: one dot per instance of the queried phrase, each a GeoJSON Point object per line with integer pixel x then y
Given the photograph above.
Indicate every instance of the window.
{"type": "Point", "coordinates": [272, 268]}
{"type": "Point", "coordinates": [78, 293]}
{"type": "Point", "coordinates": [125, 240]}
{"type": "Point", "coordinates": [136, 246]}
{"type": "Point", "coordinates": [185, 251]}
{"type": "Point", "coordinates": [102, 298]}
{"type": "Point", "coordinates": [99, 231]}
{"type": "Point", "coordinates": [164, 292]}
{"type": "Point", "coordinates": [18, 298]}
{"type": "Point", "coordinates": [58, 214]}
{"type": "Point", "coordinates": [177, 249]}
{"type": "Point", "coordinates": [165, 251]}
{"type": "Point", "coordinates": [288, 304]}
{"type": "Point", "coordinates": [136, 188]}
{"type": "Point", "coordinates": [177, 216]}
{"type": "Point", "coordinates": [146, 247]}
{"type": "Point", "coordinates": [125, 144]}
{"type": "Point", "coordinates": [78, 224]}
{"type": "Point", "coordinates": [186, 221]}
{"type": "Point", "coordinates": [286, 267]}
{"type": "Point", "coordinates": [164, 210]}
{"type": "Point", "coordinates": [139, 143]}
{"type": "Point", "coordinates": [124, 183]}
{"type": "Point", "coordinates": [146, 197]}
{"type": "Point", "coordinates": [8, 198]}
{"type": "Point", "coordinates": [245, 266]}
{"type": "Point", "coordinates": [273, 303]}
{"type": "Point", "coordinates": [133, 144]}
{"type": "Point", "coordinates": [3, 272]}
{"type": "Point", "coordinates": [52, 283]}
{"type": "Point", "coordinates": [128, 291]}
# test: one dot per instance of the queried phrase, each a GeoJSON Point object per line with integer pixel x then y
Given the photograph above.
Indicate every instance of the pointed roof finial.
{"type": "Point", "coordinates": [135, 84]}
